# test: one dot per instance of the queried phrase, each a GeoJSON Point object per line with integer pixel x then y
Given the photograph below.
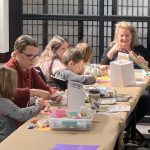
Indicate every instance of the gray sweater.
{"type": "Point", "coordinates": [9, 113]}
{"type": "Point", "coordinates": [71, 76]}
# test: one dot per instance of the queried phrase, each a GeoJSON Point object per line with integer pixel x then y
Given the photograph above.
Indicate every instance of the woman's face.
{"type": "Point", "coordinates": [62, 49]}
{"type": "Point", "coordinates": [124, 38]}
{"type": "Point", "coordinates": [27, 57]}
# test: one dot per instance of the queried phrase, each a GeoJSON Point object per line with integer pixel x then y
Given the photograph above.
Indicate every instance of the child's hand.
{"type": "Point", "coordinates": [47, 108]}
{"type": "Point", "coordinates": [40, 102]}
{"type": "Point", "coordinates": [57, 96]}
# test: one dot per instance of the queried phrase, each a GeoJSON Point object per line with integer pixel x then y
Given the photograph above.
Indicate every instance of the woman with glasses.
{"type": "Point", "coordinates": [51, 59]}
{"type": "Point", "coordinates": [29, 83]}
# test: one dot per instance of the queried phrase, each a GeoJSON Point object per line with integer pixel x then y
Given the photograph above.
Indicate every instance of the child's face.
{"type": "Point", "coordinates": [78, 68]}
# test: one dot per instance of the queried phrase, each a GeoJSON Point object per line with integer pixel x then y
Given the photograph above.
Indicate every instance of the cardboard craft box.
{"type": "Point", "coordinates": [122, 73]}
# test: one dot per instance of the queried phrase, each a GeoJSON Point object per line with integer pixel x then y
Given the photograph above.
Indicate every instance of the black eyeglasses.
{"type": "Point", "coordinates": [31, 56]}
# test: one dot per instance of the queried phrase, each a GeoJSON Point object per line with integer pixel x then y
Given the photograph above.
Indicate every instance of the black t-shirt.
{"type": "Point", "coordinates": [138, 50]}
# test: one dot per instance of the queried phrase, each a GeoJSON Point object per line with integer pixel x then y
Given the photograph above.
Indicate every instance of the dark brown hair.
{"type": "Point", "coordinates": [23, 41]}
{"type": "Point", "coordinates": [72, 54]}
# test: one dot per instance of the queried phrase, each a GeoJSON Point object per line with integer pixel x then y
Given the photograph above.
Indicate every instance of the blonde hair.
{"type": "Point", "coordinates": [86, 51]}
{"type": "Point", "coordinates": [72, 54]}
{"type": "Point", "coordinates": [50, 52]}
{"type": "Point", "coordinates": [129, 26]}
{"type": "Point", "coordinates": [8, 82]}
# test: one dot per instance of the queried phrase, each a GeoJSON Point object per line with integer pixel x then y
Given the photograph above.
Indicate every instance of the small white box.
{"type": "Point", "coordinates": [76, 96]}
{"type": "Point", "coordinates": [122, 73]}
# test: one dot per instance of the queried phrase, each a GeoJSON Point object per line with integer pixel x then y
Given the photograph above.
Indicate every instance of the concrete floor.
{"type": "Point", "coordinates": [134, 145]}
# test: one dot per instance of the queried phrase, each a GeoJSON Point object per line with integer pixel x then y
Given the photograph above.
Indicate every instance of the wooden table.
{"type": "Point", "coordinates": [106, 129]}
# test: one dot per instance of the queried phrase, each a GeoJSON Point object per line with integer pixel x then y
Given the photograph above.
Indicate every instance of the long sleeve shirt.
{"type": "Point", "coordinates": [26, 80]}
{"type": "Point", "coordinates": [71, 76]}
{"type": "Point", "coordinates": [139, 50]}
{"type": "Point", "coordinates": [9, 113]}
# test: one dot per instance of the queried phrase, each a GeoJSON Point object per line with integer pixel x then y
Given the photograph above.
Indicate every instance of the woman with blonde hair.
{"type": "Point", "coordinates": [51, 58]}
{"type": "Point", "coordinates": [125, 41]}
{"type": "Point", "coordinates": [9, 112]}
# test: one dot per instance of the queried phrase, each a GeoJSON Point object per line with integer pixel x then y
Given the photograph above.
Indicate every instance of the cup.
{"type": "Point", "coordinates": [94, 94]}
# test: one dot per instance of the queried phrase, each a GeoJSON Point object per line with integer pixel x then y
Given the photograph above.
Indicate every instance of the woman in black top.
{"type": "Point", "coordinates": [126, 41]}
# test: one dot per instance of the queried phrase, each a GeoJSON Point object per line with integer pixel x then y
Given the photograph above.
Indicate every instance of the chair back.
{"type": "Point", "coordinates": [40, 72]}
{"type": "Point", "coordinates": [60, 83]}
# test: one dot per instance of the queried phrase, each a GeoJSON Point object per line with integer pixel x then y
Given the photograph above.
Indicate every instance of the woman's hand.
{"type": "Point", "coordinates": [141, 60]}
{"type": "Point", "coordinates": [118, 47]}
{"type": "Point", "coordinates": [40, 93]}
{"type": "Point", "coordinates": [57, 99]}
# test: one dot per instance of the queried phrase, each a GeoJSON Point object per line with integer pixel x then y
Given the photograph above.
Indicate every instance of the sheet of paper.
{"type": "Point", "coordinates": [123, 56]}
{"type": "Point", "coordinates": [75, 147]}
{"type": "Point", "coordinates": [119, 108]}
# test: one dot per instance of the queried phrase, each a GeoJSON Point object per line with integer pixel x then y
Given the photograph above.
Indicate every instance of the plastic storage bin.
{"type": "Point", "coordinates": [67, 123]}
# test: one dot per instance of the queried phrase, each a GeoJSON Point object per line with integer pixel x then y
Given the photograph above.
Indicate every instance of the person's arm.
{"type": "Point", "coordinates": [141, 54]}
{"type": "Point", "coordinates": [112, 52]}
{"type": "Point", "coordinates": [38, 83]}
{"type": "Point", "coordinates": [8, 108]}
{"type": "Point", "coordinates": [105, 60]}
{"type": "Point", "coordinates": [142, 51]}
{"type": "Point", "coordinates": [42, 90]}
{"type": "Point", "coordinates": [70, 76]}
{"type": "Point", "coordinates": [22, 97]}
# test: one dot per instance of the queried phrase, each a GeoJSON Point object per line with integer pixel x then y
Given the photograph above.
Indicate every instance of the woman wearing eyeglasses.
{"type": "Point", "coordinates": [29, 82]}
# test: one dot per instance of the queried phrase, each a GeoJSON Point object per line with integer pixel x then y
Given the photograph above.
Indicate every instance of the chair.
{"type": "Point", "coordinates": [41, 74]}
{"type": "Point", "coordinates": [60, 83]}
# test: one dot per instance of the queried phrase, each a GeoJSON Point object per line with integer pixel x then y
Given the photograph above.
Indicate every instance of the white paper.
{"type": "Point", "coordinates": [118, 108]}
{"type": "Point", "coordinates": [76, 97]}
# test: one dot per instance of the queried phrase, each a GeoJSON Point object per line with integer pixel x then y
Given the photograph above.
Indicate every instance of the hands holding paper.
{"type": "Point", "coordinates": [139, 58]}
{"type": "Point", "coordinates": [118, 47]}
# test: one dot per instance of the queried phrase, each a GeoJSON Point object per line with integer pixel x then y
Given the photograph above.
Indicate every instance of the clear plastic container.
{"type": "Point", "coordinates": [67, 123]}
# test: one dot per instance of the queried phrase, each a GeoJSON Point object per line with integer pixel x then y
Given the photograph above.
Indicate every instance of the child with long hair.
{"type": "Point", "coordinates": [51, 58]}
{"type": "Point", "coordinates": [9, 112]}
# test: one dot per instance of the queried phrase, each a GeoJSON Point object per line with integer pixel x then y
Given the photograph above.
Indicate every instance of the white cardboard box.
{"type": "Point", "coordinates": [76, 96]}
{"type": "Point", "coordinates": [122, 73]}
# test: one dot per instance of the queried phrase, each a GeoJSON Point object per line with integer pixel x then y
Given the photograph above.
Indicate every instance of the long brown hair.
{"type": "Point", "coordinates": [86, 51]}
{"type": "Point", "coordinates": [50, 54]}
{"type": "Point", "coordinates": [8, 82]}
{"type": "Point", "coordinates": [72, 54]}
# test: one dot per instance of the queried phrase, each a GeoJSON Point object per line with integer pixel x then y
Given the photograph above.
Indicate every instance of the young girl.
{"type": "Point", "coordinates": [73, 68]}
{"type": "Point", "coordinates": [9, 112]}
{"type": "Point", "coordinates": [86, 51]}
{"type": "Point", "coordinates": [51, 58]}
